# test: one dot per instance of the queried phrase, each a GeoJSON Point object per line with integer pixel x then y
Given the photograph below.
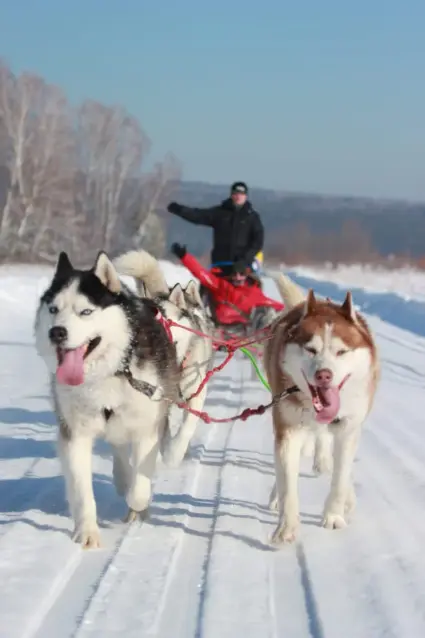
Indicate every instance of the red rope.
{"type": "Point", "coordinates": [165, 324]}
{"type": "Point", "coordinates": [233, 342]}
{"type": "Point", "coordinates": [245, 414]}
{"type": "Point", "coordinates": [210, 373]}
{"type": "Point", "coordinates": [231, 346]}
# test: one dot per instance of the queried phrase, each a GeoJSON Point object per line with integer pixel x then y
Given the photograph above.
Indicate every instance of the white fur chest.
{"type": "Point", "coordinates": [83, 407]}
{"type": "Point", "coordinates": [111, 408]}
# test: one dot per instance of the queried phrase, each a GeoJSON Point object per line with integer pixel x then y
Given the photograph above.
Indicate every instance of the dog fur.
{"type": "Point", "coordinates": [311, 339]}
{"type": "Point", "coordinates": [194, 352]}
{"type": "Point", "coordinates": [93, 312]}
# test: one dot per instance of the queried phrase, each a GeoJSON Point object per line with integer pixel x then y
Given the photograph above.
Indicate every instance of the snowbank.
{"type": "Point", "coordinates": [405, 282]}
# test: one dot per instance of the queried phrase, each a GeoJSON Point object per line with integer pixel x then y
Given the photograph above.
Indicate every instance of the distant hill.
{"type": "Point", "coordinates": [302, 228]}
{"type": "Point", "coordinates": [381, 227]}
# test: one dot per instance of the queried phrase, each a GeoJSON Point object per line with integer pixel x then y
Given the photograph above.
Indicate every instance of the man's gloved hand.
{"type": "Point", "coordinates": [173, 207]}
{"type": "Point", "coordinates": [178, 250]}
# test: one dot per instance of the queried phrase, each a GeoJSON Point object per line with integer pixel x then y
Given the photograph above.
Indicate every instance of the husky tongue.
{"type": "Point", "coordinates": [326, 404]}
{"type": "Point", "coordinates": [70, 370]}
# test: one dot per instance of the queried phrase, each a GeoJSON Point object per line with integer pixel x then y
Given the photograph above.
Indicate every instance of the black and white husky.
{"type": "Point", "coordinates": [184, 306]}
{"type": "Point", "coordinates": [114, 374]}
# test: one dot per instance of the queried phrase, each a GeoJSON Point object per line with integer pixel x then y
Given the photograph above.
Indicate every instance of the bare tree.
{"type": "Point", "coordinates": [155, 191]}
{"type": "Point", "coordinates": [13, 114]}
{"type": "Point", "coordinates": [74, 178]}
{"type": "Point", "coordinates": [110, 149]}
{"type": "Point", "coordinates": [39, 160]}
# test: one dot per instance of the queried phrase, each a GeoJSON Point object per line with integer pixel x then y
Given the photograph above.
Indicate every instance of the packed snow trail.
{"type": "Point", "coordinates": [201, 565]}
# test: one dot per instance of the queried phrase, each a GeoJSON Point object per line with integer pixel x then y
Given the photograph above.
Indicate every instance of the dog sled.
{"type": "Point", "coordinates": [230, 321]}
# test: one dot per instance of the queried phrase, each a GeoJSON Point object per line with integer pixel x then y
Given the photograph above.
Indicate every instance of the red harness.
{"type": "Point", "coordinates": [165, 324]}
{"type": "Point", "coordinates": [231, 348]}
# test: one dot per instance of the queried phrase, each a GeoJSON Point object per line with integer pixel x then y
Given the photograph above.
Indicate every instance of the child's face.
{"type": "Point", "coordinates": [239, 279]}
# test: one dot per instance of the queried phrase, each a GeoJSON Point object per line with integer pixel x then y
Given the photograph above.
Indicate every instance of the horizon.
{"type": "Point", "coordinates": [306, 193]}
{"type": "Point", "coordinates": [303, 99]}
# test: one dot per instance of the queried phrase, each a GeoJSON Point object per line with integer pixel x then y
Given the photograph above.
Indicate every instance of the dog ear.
{"type": "Point", "coordinates": [347, 307]}
{"type": "Point", "coordinates": [310, 303]}
{"type": "Point", "coordinates": [192, 292]}
{"type": "Point", "coordinates": [177, 297]}
{"type": "Point", "coordinates": [64, 268]}
{"type": "Point", "coordinates": [105, 271]}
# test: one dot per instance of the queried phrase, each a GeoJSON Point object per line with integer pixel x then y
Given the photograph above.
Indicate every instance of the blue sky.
{"type": "Point", "coordinates": [313, 95]}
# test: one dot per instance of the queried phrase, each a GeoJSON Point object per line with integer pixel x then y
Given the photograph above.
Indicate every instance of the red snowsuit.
{"type": "Point", "coordinates": [227, 297]}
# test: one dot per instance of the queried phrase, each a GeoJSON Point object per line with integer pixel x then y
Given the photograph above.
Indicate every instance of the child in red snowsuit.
{"type": "Point", "coordinates": [228, 298]}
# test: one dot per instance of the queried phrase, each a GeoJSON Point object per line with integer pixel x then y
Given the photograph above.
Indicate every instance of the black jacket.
{"type": "Point", "coordinates": [238, 231]}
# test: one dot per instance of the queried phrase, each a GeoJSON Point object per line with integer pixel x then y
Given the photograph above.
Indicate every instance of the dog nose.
{"type": "Point", "coordinates": [323, 377]}
{"type": "Point", "coordinates": [58, 334]}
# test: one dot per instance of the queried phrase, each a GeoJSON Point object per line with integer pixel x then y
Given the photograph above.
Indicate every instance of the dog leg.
{"type": "Point", "coordinates": [287, 464]}
{"type": "Point", "coordinates": [309, 445]}
{"type": "Point", "coordinates": [144, 454]}
{"type": "Point", "coordinates": [322, 463]}
{"type": "Point", "coordinates": [177, 446]}
{"type": "Point", "coordinates": [351, 500]}
{"type": "Point", "coordinates": [75, 453]}
{"type": "Point", "coordinates": [341, 496]}
{"type": "Point", "coordinates": [121, 470]}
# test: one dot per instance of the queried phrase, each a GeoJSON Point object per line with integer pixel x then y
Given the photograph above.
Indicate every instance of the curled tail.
{"type": "Point", "coordinates": [145, 269]}
{"type": "Point", "coordinates": [291, 293]}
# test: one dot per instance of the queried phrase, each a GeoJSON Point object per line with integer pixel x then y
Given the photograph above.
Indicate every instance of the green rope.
{"type": "Point", "coordinates": [256, 368]}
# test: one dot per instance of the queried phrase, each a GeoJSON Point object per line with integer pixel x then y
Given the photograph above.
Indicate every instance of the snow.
{"type": "Point", "coordinates": [407, 282]}
{"type": "Point", "coordinates": [395, 296]}
{"type": "Point", "coordinates": [202, 566]}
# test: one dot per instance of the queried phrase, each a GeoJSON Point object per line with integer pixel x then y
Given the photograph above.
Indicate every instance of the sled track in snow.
{"type": "Point", "coordinates": [81, 589]}
{"type": "Point", "coordinates": [201, 566]}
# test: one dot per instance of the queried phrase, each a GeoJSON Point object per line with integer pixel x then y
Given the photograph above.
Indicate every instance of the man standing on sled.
{"type": "Point", "coordinates": [237, 227]}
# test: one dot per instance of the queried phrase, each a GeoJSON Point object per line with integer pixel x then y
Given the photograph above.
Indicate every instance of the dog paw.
{"type": "Point", "coordinates": [87, 536]}
{"type": "Point", "coordinates": [284, 533]}
{"type": "Point", "coordinates": [333, 521]}
{"type": "Point", "coordinates": [132, 516]}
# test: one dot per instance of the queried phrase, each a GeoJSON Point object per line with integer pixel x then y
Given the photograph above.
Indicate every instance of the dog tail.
{"type": "Point", "coordinates": [145, 269]}
{"type": "Point", "coordinates": [291, 293]}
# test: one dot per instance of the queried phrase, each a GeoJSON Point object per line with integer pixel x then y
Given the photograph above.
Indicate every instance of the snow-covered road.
{"type": "Point", "coordinates": [201, 566]}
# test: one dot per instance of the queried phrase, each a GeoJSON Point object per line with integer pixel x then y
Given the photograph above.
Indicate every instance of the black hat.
{"type": "Point", "coordinates": [239, 187]}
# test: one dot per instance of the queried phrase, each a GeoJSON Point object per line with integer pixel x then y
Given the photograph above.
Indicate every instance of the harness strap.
{"type": "Point", "coordinates": [140, 386]}
{"type": "Point", "coordinates": [245, 414]}
{"type": "Point", "coordinates": [143, 386]}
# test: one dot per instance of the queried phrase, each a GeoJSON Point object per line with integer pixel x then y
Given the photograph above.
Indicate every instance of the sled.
{"type": "Point", "coordinates": [238, 323]}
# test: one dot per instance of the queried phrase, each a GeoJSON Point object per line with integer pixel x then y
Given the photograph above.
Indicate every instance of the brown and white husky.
{"type": "Point", "coordinates": [328, 351]}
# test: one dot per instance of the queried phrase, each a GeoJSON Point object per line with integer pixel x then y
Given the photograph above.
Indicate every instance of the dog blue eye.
{"type": "Point", "coordinates": [53, 310]}
{"type": "Point", "coordinates": [86, 312]}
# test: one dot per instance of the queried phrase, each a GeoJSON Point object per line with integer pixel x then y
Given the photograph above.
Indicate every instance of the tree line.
{"type": "Point", "coordinates": [74, 178]}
